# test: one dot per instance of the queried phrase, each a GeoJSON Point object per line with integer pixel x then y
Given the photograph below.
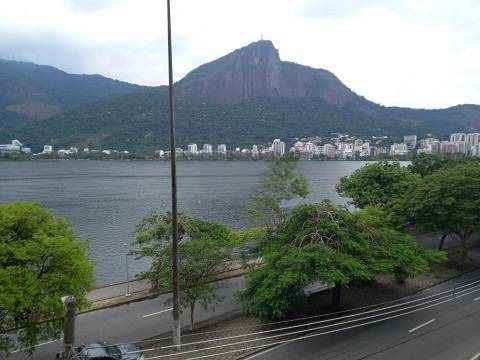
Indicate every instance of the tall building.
{"type": "Point", "coordinates": [410, 141]}
{"type": "Point", "coordinates": [472, 139]}
{"type": "Point", "coordinates": [457, 137]}
{"type": "Point", "coordinates": [398, 149]}
{"type": "Point", "coordinates": [448, 147]}
{"type": "Point", "coordinates": [222, 149]}
{"type": "Point", "coordinates": [357, 145]}
{"type": "Point", "coordinates": [207, 149]}
{"type": "Point", "coordinates": [254, 150]}
{"type": "Point", "coordinates": [192, 149]}
{"type": "Point", "coordinates": [278, 147]}
{"type": "Point", "coordinates": [329, 150]}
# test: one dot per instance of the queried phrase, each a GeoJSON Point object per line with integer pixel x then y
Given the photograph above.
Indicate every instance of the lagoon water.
{"type": "Point", "coordinates": [104, 200]}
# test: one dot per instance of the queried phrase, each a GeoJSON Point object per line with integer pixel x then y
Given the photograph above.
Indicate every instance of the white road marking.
{"type": "Point", "coordinates": [156, 313]}
{"type": "Point", "coordinates": [476, 299]}
{"type": "Point", "coordinates": [45, 343]}
{"type": "Point", "coordinates": [422, 325]}
{"type": "Point", "coordinates": [475, 357]}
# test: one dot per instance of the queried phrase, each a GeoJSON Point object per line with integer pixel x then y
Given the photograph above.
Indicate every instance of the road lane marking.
{"type": "Point", "coordinates": [476, 299]}
{"type": "Point", "coordinates": [45, 343]}
{"type": "Point", "coordinates": [156, 313]}
{"type": "Point", "coordinates": [421, 325]}
{"type": "Point", "coordinates": [475, 357]}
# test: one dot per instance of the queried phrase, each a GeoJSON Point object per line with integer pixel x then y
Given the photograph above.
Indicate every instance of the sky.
{"type": "Point", "coordinates": [415, 53]}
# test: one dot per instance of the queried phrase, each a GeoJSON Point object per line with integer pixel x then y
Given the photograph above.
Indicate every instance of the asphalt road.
{"type": "Point", "coordinates": [135, 321]}
{"type": "Point", "coordinates": [447, 331]}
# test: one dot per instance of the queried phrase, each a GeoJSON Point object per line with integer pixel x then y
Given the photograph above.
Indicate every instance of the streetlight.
{"type": "Point", "coordinates": [127, 293]}
{"type": "Point", "coordinates": [173, 165]}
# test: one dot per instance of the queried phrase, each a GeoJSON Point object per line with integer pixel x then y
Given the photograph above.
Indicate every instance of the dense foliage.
{"type": "Point", "coordinates": [425, 164]}
{"type": "Point", "coordinates": [205, 249]}
{"type": "Point", "coordinates": [322, 242]}
{"type": "Point", "coordinates": [377, 183]}
{"type": "Point", "coordinates": [446, 201]}
{"type": "Point", "coordinates": [41, 260]}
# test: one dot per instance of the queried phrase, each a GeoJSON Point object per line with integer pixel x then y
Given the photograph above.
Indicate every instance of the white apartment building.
{"type": "Point", "coordinates": [207, 149]}
{"type": "Point", "coordinates": [222, 149]}
{"type": "Point", "coordinates": [192, 149]}
{"type": "Point", "coordinates": [278, 147]}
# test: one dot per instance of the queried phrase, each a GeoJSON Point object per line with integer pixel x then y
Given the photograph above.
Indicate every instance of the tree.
{"type": "Point", "coordinates": [205, 249]}
{"type": "Point", "coordinates": [280, 184]}
{"type": "Point", "coordinates": [377, 183]}
{"type": "Point", "coordinates": [322, 242]}
{"type": "Point", "coordinates": [447, 201]}
{"type": "Point", "coordinates": [426, 164]}
{"type": "Point", "coordinates": [41, 260]}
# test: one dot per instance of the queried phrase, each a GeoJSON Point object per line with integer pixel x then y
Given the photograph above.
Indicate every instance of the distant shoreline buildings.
{"type": "Point", "coordinates": [340, 146]}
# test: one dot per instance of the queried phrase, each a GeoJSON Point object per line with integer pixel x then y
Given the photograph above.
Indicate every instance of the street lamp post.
{"type": "Point", "coordinates": [127, 293]}
{"type": "Point", "coordinates": [173, 165]}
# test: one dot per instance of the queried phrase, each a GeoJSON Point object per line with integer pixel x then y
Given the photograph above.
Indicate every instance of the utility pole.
{"type": "Point", "coordinates": [69, 306]}
{"type": "Point", "coordinates": [127, 293]}
{"type": "Point", "coordinates": [173, 164]}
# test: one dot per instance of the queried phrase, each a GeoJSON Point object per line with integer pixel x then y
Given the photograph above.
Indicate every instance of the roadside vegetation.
{"type": "Point", "coordinates": [41, 260]}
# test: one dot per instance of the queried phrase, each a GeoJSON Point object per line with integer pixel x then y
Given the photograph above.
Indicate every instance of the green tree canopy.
{"type": "Point", "coordinates": [377, 183]}
{"type": "Point", "coordinates": [322, 242]}
{"type": "Point", "coordinates": [426, 164]}
{"type": "Point", "coordinates": [41, 260]}
{"type": "Point", "coordinates": [281, 183]}
{"type": "Point", "coordinates": [205, 249]}
{"type": "Point", "coordinates": [446, 201]}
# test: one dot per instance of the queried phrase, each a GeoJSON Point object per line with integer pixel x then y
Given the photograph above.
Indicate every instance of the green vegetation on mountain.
{"type": "Point", "coordinates": [29, 91]}
{"type": "Point", "coordinates": [247, 97]}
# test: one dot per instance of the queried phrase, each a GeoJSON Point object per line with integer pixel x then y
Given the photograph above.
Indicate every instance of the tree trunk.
{"type": "Point", "coordinates": [442, 240]}
{"type": "Point", "coordinates": [464, 248]}
{"type": "Point", "coordinates": [192, 312]}
{"type": "Point", "coordinates": [336, 296]}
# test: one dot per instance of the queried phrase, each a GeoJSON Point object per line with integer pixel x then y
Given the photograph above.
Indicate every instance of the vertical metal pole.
{"type": "Point", "coordinates": [69, 327]}
{"type": "Point", "coordinates": [126, 271]}
{"type": "Point", "coordinates": [173, 164]}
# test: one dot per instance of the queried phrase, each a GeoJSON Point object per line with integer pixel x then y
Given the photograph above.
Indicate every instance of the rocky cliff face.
{"type": "Point", "coordinates": [256, 71]}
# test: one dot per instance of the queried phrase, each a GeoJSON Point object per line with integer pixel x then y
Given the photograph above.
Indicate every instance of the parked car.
{"type": "Point", "coordinates": [103, 351]}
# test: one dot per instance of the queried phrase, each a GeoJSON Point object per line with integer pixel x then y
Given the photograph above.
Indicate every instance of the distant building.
{"type": "Point", "coordinates": [207, 149]}
{"type": "Point", "coordinates": [222, 149]}
{"type": "Point", "coordinates": [448, 147]}
{"type": "Point", "coordinates": [192, 149]}
{"type": "Point", "coordinates": [410, 141]}
{"type": "Point", "coordinates": [254, 151]}
{"type": "Point", "coordinates": [47, 149]}
{"type": "Point", "coordinates": [399, 150]}
{"type": "Point", "coordinates": [457, 137]}
{"type": "Point", "coordinates": [329, 150]}
{"type": "Point", "coordinates": [14, 146]}
{"type": "Point", "coordinates": [278, 147]}
{"type": "Point", "coordinates": [472, 140]}
{"type": "Point", "coordinates": [159, 153]}
{"type": "Point", "coordinates": [26, 150]}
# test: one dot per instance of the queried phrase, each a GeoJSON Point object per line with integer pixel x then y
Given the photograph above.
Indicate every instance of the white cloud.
{"type": "Point", "coordinates": [406, 53]}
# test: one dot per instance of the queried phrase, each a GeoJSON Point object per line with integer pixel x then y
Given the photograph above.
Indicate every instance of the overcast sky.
{"type": "Point", "coordinates": [405, 53]}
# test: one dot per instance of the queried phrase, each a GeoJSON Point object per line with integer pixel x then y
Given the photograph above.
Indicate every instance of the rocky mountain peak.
{"type": "Point", "coordinates": [256, 71]}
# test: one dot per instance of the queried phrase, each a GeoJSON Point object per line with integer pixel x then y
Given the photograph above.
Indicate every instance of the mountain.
{"type": "Point", "coordinates": [256, 71]}
{"type": "Point", "coordinates": [30, 91]}
{"type": "Point", "coordinates": [248, 96]}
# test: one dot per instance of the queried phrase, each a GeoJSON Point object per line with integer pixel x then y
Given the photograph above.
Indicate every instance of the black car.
{"type": "Point", "coordinates": [103, 351]}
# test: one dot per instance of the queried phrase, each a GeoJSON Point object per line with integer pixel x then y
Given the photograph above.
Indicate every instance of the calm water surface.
{"type": "Point", "coordinates": [104, 200]}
